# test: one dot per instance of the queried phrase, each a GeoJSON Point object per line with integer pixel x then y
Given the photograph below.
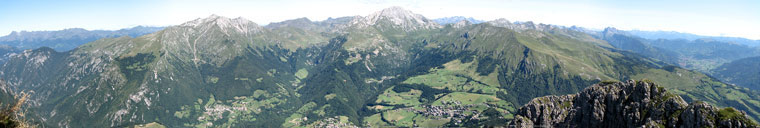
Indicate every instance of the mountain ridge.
{"type": "Point", "coordinates": [397, 17]}
{"type": "Point", "coordinates": [376, 75]}
{"type": "Point", "coordinates": [654, 35]}
{"type": "Point", "coordinates": [67, 39]}
{"type": "Point", "coordinates": [740, 72]}
{"type": "Point", "coordinates": [455, 19]}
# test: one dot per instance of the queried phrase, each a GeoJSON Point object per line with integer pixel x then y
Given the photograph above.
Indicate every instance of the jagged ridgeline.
{"type": "Point", "coordinates": [390, 68]}
{"type": "Point", "coordinates": [67, 39]}
{"type": "Point", "coordinates": [626, 104]}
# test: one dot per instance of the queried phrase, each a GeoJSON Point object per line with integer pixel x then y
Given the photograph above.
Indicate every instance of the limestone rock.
{"type": "Point", "coordinates": [625, 104]}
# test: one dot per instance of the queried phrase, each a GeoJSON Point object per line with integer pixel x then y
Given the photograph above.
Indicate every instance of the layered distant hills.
{"type": "Point", "coordinates": [703, 54]}
{"type": "Point", "coordinates": [455, 19]}
{"type": "Point", "coordinates": [391, 68]}
{"type": "Point", "coordinates": [726, 58]}
{"type": "Point", "coordinates": [654, 35]}
{"type": "Point", "coordinates": [67, 39]}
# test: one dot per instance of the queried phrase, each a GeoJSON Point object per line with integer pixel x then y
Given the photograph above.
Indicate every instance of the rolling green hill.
{"type": "Point", "coordinates": [707, 55]}
{"type": "Point", "coordinates": [742, 72]}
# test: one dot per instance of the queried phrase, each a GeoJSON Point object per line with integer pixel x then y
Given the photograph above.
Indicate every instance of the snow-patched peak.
{"type": "Point", "coordinates": [398, 17]}
{"type": "Point", "coordinates": [455, 19]}
{"type": "Point", "coordinates": [239, 24]}
{"type": "Point", "coordinates": [609, 31]}
{"type": "Point", "coordinates": [396, 13]}
{"type": "Point", "coordinates": [522, 25]}
{"type": "Point", "coordinates": [461, 24]}
{"type": "Point", "coordinates": [500, 21]}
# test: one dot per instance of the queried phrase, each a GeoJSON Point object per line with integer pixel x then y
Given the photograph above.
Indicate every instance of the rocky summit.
{"type": "Point", "coordinates": [626, 104]}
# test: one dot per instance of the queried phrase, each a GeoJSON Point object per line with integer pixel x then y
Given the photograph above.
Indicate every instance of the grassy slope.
{"type": "Point", "coordinates": [576, 58]}
{"type": "Point", "coordinates": [274, 76]}
{"type": "Point", "coordinates": [743, 72]}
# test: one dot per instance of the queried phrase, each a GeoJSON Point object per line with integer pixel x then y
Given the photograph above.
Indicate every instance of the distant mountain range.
{"type": "Point", "coordinates": [455, 19]}
{"type": "Point", "coordinates": [67, 39]}
{"type": "Point", "coordinates": [6, 51]}
{"type": "Point", "coordinates": [654, 35]}
{"type": "Point", "coordinates": [391, 68]}
{"type": "Point", "coordinates": [728, 61]}
{"type": "Point", "coordinates": [650, 35]}
{"type": "Point", "coordinates": [700, 54]}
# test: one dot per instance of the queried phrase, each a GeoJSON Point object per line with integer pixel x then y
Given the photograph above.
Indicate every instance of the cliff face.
{"type": "Point", "coordinates": [625, 104]}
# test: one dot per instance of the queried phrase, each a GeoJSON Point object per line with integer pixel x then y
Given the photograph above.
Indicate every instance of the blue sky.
{"type": "Point", "coordinates": [738, 18]}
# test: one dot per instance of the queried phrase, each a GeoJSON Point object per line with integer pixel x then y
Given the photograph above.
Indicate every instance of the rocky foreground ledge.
{"type": "Point", "coordinates": [626, 104]}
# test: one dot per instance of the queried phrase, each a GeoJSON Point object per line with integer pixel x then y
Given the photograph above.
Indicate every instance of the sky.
{"type": "Point", "coordinates": [735, 18]}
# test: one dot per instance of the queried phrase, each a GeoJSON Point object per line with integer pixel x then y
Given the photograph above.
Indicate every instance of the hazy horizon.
{"type": "Point", "coordinates": [732, 19]}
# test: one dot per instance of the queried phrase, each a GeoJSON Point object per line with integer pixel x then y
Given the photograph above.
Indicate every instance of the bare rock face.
{"type": "Point", "coordinates": [625, 104]}
{"type": "Point", "coordinates": [699, 114]}
{"type": "Point", "coordinates": [547, 110]}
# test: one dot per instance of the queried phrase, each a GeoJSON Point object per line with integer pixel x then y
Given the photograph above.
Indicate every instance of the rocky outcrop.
{"type": "Point", "coordinates": [625, 104]}
{"type": "Point", "coordinates": [396, 17]}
